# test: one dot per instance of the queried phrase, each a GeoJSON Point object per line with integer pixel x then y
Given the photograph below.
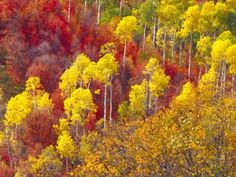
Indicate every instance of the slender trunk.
{"type": "Point", "coordinates": [232, 80]}
{"type": "Point", "coordinates": [121, 5]}
{"type": "Point", "coordinates": [67, 169]}
{"type": "Point", "coordinates": [200, 73]}
{"type": "Point", "coordinates": [105, 105]}
{"type": "Point", "coordinates": [144, 36]}
{"type": "Point", "coordinates": [85, 6]}
{"type": "Point", "coordinates": [173, 48]}
{"type": "Point", "coordinates": [89, 83]}
{"type": "Point", "coordinates": [154, 34]}
{"type": "Point", "coordinates": [147, 98]}
{"type": "Point", "coordinates": [224, 77]}
{"type": "Point", "coordinates": [124, 59]}
{"type": "Point", "coordinates": [9, 154]}
{"type": "Point", "coordinates": [164, 48]}
{"type": "Point", "coordinates": [96, 3]}
{"type": "Point", "coordinates": [76, 131]}
{"type": "Point", "coordinates": [99, 11]}
{"type": "Point", "coordinates": [180, 52]}
{"type": "Point", "coordinates": [68, 12]}
{"type": "Point", "coordinates": [190, 55]}
{"type": "Point", "coordinates": [111, 106]}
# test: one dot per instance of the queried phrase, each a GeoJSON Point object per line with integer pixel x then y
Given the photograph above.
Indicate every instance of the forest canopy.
{"type": "Point", "coordinates": [117, 88]}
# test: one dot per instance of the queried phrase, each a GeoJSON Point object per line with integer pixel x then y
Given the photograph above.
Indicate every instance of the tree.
{"type": "Point", "coordinates": [125, 29]}
{"type": "Point", "coordinates": [156, 82]}
{"type": "Point", "coordinates": [77, 107]}
{"type": "Point", "coordinates": [73, 76]}
{"type": "Point", "coordinates": [137, 100]}
{"type": "Point", "coordinates": [107, 68]}
{"type": "Point", "coordinates": [147, 14]}
{"type": "Point", "coordinates": [218, 55]}
{"type": "Point", "coordinates": [47, 164]}
{"type": "Point", "coordinates": [17, 110]}
{"type": "Point", "coordinates": [66, 147]}
{"type": "Point", "coordinates": [191, 21]}
{"type": "Point", "coordinates": [231, 59]}
{"type": "Point", "coordinates": [203, 55]}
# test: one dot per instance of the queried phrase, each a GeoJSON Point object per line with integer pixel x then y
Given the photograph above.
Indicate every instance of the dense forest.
{"type": "Point", "coordinates": [98, 88]}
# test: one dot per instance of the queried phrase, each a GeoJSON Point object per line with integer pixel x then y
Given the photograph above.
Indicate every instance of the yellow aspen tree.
{"type": "Point", "coordinates": [73, 76]}
{"type": "Point", "coordinates": [66, 147]}
{"type": "Point", "coordinates": [77, 107]}
{"type": "Point", "coordinates": [107, 68]}
{"type": "Point", "coordinates": [125, 29]}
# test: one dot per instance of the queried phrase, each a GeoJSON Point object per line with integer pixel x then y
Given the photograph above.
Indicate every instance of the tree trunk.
{"type": "Point", "coordinates": [224, 77]}
{"type": "Point", "coordinates": [180, 52]}
{"type": "Point", "coordinates": [164, 48]}
{"type": "Point", "coordinates": [111, 106]}
{"type": "Point", "coordinates": [121, 5]}
{"type": "Point", "coordinates": [85, 6]}
{"type": "Point", "coordinates": [144, 36]}
{"type": "Point", "coordinates": [105, 105]}
{"type": "Point", "coordinates": [124, 59]}
{"type": "Point", "coordinates": [154, 34]}
{"type": "Point", "coordinates": [173, 48]}
{"type": "Point", "coordinates": [68, 12]}
{"type": "Point", "coordinates": [190, 55]}
{"type": "Point", "coordinates": [99, 11]}
{"type": "Point", "coordinates": [9, 154]}
{"type": "Point", "coordinates": [147, 99]}
{"type": "Point", "coordinates": [199, 74]}
{"type": "Point", "coordinates": [67, 169]}
{"type": "Point", "coordinates": [76, 131]}
{"type": "Point", "coordinates": [232, 80]}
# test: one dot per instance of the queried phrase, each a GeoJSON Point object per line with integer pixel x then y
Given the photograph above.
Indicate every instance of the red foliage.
{"type": "Point", "coordinates": [38, 129]}
{"type": "Point", "coordinates": [58, 102]}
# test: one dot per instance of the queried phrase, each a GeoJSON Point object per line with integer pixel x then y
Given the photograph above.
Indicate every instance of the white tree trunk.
{"type": "Point", "coordinates": [68, 11]}
{"type": "Point", "coordinates": [154, 34]}
{"type": "Point", "coordinates": [99, 12]}
{"type": "Point", "coordinates": [111, 106]}
{"type": "Point", "coordinates": [164, 48]}
{"type": "Point", "coordinates": [173, 48]}
{"type": "Point", "coordinates": [105, 105]}
{"type": "Point", "coordinates": [121, 5]}
{"type": "Point", "coordinates": [124, 58]}
{"type": "Point", "coordinates": [232, 80]}
{"type": "Point", "coordinates": [144, 36]}
{"type": "Point", "coordinates": [85, 6]}
{"type": "Point", "coordinates": [190, 55]}
{"type": "Point", "coordinates": [180, 52]}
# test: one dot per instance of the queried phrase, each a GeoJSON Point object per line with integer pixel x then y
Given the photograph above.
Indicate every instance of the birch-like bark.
{"type": "Point", "coordinates": [124, 59]}
{"type": "Point", "coordinates": [68, 11]}
{"type": "Point", "coordinates": [105, 105]}
{"type": "Point", "coordinates": [99, 12]}
{"type": "Point", "coordinates": [85, 6]}
{"type": "Point", "coordinates": [144, 36]}
{"type": "Point", "coordinates": [121, 5]}
{"type": "Point", "coordinates": [173, 48]}
{"type": "Point", "coordinates": [111, 104]}
{"type": "Point", "coordinates": [67, 169]}
{"type": "Point", "coordinates": [190, 55]}
{"type": "Point", "coordinates": [180, 52]}
{"type": "Point", "coordinates": [154, 34]}
{"type": "Point", "coordinates": [147, 99]}
{"type": "Point", "coordinates": [232, 80]}
{"type": "Point", "coordinates": [164, 48]}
